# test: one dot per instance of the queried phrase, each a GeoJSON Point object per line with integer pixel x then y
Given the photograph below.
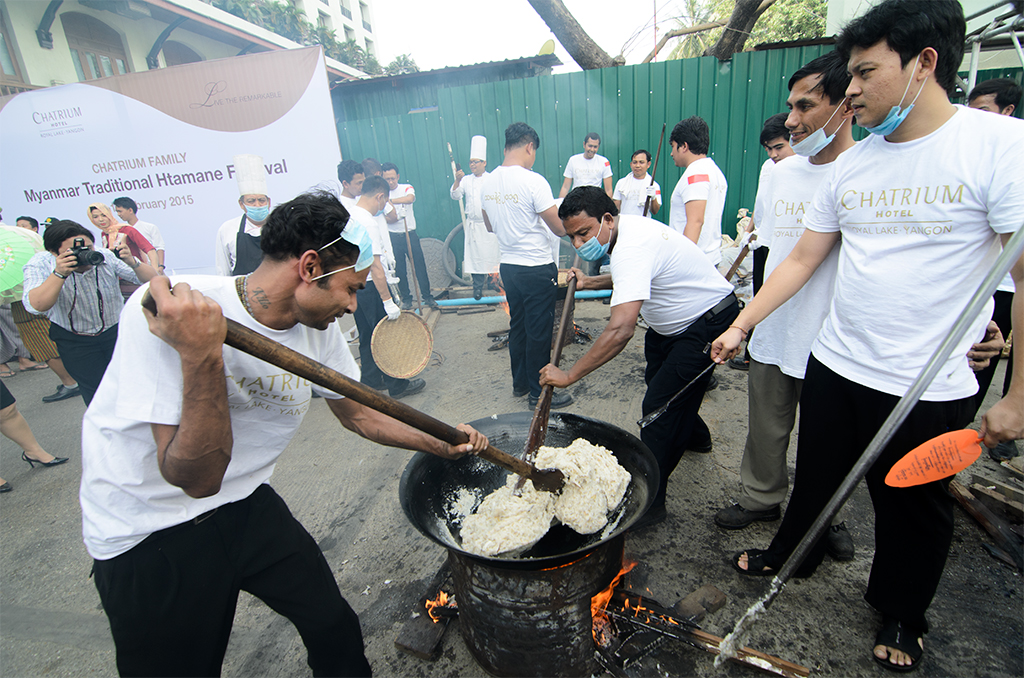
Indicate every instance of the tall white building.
{"type": "Point", "coordinates": [349, 19]}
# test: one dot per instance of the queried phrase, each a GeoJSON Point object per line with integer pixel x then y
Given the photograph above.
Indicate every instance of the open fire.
{"type": "Point", "coordinates": [602, 629]}
{"type": "Point", "coordinates": [441, 606]}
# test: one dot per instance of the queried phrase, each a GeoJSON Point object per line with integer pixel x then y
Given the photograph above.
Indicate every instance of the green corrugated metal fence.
{"type": "Point", "coordinates": [626, 106]}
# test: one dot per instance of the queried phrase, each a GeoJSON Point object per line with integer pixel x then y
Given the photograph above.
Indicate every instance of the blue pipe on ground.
{"type": "Point", "coordinates": [483, 301]}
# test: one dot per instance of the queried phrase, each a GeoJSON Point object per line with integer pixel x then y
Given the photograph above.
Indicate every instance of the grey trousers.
{"type": "Point", "coordinates": [772, 399]}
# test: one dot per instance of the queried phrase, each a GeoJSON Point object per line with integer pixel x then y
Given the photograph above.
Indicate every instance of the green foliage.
{"type": "Point", "coordinates": [790, 20]}
{"type": "Point", "coordinates": [403, 63]}
{"type": "Point", "coordinates": [784, 21]}
{"type": "Point", "coordinates": [289, 22]}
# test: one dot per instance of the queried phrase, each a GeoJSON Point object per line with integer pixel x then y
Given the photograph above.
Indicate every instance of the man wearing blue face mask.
{"type": "Point", "coordinates": [920, 211]}
{"type": "Point", "coordinates": [685, 300]}
{"type": "Point", "coordinates": [238, 240]}
{"type": "Point", "coordinates": [819, 124]}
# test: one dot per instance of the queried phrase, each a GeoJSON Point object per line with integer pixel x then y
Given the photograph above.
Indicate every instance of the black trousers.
{"type": "Point", "coordinates": [369, 312]}
{"type": "Point", "coordinates": [85, 358]}
{"type": "Point", "coordinates": [1002, 315]}
{"type": "Point", "coordinates": [530, 291]}
{"type": "Point", "coordinates": [401, 250]}
{"type": "Point", "coordinates": [171, 599]}
{"type": "Point", "coordinates": [672, 362]}
{"type": "Point", "coordinates": [913, 525]}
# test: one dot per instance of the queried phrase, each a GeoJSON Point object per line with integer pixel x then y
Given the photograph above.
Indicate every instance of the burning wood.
{"type": "Point", "coordinates": [603, 630]}
{"type": "Point", "coordinates": [441, 607]}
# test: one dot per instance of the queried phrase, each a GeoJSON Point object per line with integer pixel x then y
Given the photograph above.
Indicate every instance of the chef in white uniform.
{"type": "Point", "coordinates": [482, 255]}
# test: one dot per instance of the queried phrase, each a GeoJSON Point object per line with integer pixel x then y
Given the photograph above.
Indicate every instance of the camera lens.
{"type": "Point", "coordinates": [93, 258]}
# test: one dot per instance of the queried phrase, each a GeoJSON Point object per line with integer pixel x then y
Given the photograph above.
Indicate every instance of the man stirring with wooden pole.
{"type": "Point", "coordinates": [176, 508]}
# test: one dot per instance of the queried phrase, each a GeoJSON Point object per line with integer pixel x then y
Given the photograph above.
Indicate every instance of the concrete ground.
{"type": "Point", "coordinates": [344, 490]}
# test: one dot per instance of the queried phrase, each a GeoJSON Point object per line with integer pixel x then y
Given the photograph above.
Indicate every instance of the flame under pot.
{"type": "Point", "coordinates": [523, 622]}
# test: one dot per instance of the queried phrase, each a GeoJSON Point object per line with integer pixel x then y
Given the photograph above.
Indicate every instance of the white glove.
{"type": "Point", "coordinates": [755, 241]}
{"type": "Point", "coordinates": [652, 192]}
{"type": "Point", "coordinates": [391, 308]}
{"type": "Point", "coordinates": [748, 239]}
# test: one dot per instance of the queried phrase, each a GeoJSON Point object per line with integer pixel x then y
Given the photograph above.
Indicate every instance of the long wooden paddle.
{"type": "Point", "coordinates": [941, 457]}
{"type": "Point", "coordinates": [654, 170]}
{"type": "Point", "coordinates": [264, 348]}
{"type": "Point", "coordinates": [539, 422]}
{"type": "Point", "coordinates": [739, 260]}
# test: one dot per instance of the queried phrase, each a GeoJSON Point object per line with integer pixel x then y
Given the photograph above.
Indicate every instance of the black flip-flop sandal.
{"type": "Point", "coordinates": [755, 563]}
{"type": "Point", "coordinates": [904, 638]}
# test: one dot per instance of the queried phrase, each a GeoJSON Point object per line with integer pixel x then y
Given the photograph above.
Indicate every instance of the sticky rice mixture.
{"type": "Point", "coordinates": [595, 485]}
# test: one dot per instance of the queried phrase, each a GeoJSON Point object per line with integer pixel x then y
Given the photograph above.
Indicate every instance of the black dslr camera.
{"type": "Point", "coordinates": [85, 256]}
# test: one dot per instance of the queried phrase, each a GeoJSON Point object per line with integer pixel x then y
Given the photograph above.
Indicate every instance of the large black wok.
{"type": "Point", "coordinates": [431, 484]}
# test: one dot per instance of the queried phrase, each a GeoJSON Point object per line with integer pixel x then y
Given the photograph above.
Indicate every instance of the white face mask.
{"type": "Point", "coordinates": [814, 142]}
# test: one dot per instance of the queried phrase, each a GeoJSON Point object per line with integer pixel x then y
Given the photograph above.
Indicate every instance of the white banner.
{"type": "Point", "coordinates": [166, 139]}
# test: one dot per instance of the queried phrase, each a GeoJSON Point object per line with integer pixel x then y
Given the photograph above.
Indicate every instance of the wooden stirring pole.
{"type": "Point", "coordinates": [539, 422]}
{"type": "Point", "coordinates": [255, 344]}
{"type": "Point", "coordinates": [654, 170]}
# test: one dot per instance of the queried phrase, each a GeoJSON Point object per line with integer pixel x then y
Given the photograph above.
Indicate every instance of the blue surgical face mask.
{"type": "Point", "coordinates": [357, 235]}
{"type": "Point", "coordinates": [896, 116]}
{"type": "Point", "coordinates": [814, 142]}
{"type": "Point", "coordinates": [257, 214]}
{"type": "Point", "coordinates": [592, 249]}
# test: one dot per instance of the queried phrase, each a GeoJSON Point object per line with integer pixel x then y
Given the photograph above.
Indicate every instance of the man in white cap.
{"type": "Point", "coordinates": [238, 240]}
{"type": "Point", "coordinates": [482, 254]}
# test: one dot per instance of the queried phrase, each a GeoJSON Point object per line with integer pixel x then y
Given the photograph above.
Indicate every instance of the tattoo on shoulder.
{"type": "Point", "coordinates": [260, 297]}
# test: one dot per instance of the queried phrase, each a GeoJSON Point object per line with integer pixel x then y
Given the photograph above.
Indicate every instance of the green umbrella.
{"type": "Point", "coordinates": [17, 246]}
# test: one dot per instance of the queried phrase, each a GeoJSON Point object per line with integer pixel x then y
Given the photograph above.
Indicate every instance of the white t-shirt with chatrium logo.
{"type": "Point", "coordinates": [702, 180]}
{"type": "Point", "coordinates": [784, 338]}
{"type": "Point", "coordinates": [124, 498]}
{"type": "Point", "coordinates": [920, 224]}
{"type": "Point", "coordinates": [585, 172]}
{"type": "Point", "coordinates": [632, 194]}
{"type": "Point", "coordinates": [654, 264]}
{"type": "Point", "coordinates": [513, 198]}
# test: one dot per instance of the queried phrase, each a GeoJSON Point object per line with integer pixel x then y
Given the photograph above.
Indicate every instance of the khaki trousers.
{"type": "Point", "coordinates": [772, 398]}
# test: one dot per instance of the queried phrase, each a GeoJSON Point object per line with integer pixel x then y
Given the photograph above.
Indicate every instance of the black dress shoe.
{"type": "Point", "coordinates": [6, 487]}
{"type": "Point", "coordinates": [413, 387]}
{"type": "Point", "coordinates": [62, 393]}
{"type": "Point", "coordinates": [839, 543]}
{"type": "Point", "coordinates": [712, 384]}
{"type": "Point", "coordinates": [558, 401]}
{"type": "Point", "coordinates": [519, 392]}
{"type": "Point", "coordinates": [736, 517]}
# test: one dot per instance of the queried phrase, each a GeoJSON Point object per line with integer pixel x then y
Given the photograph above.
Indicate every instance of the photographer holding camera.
{"type": "Point", "coordinates": [78, 288]}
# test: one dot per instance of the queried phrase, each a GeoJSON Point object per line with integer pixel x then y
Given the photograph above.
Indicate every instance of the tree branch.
{"type": "Point", "coordinates": [699, 28]}
{"type": "Point", "coordinates": [580, 46]}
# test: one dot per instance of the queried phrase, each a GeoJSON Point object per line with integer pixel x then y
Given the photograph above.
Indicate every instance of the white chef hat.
{"type": "Point", "coordinates": [478, 148]}
{"type": "Point", "coordinates": [251, 175]}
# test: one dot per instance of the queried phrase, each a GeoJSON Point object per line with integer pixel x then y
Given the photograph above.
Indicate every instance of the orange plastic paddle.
{"type": "Point", "coordinates": [940, 457]}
